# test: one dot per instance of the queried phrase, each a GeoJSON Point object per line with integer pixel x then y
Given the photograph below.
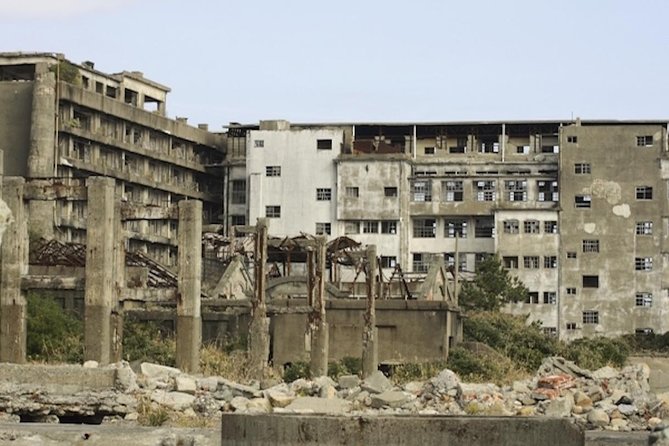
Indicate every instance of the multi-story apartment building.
{"type": "Point", "coordinates": [576, 210]}
{"type": "Point", "coordinates": [61, 120]}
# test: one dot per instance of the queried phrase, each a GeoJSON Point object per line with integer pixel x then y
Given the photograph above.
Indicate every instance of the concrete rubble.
{"type": "Point", "coordinates": [605, 399]}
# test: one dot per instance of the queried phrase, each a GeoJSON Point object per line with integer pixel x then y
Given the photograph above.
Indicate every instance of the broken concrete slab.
{"type": "Point", "coordinates": [376, 383]}
{"type": "Point", "coordinates": [389, 398]}
{"type": "Point", "coordinates": [314, 405]}
{"type": "Point", "coordinates": [173, 400]}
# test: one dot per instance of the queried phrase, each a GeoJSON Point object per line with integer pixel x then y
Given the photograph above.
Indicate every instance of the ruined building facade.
{"type": "Point", "coordinates": [67, 121]}
{"type": "Point", "coordinates": [576, 209]}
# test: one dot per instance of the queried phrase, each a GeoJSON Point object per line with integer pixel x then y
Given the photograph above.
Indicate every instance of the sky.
{"type": "Point", "coordinates": [368, 60]}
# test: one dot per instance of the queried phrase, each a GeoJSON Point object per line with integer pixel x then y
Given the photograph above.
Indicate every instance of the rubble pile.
{"type": "Point", "coordinates": [618, 400]}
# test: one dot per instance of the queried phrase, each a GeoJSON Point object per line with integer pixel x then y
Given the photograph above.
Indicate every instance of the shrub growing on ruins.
{"type": "Point", "coordinates": [54, 335]}
{"type": "Point", "coordinates": [295, 371]}
{"type": "Point", "coordinates": [348, 365]}
{"type": "Point", "coordinates": [147, 341]}
{"type": "Point", "coordinates": [491, 288]}
{"type": "Point", "coordinates": [593, 353]}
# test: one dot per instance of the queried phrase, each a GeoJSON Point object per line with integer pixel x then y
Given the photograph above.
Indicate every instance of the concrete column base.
{"type": "Point", "coordinates": [189, 341]}
{"type": "Point", "coordinates": [97, 333]}
{"type": "Point", "coordinates": [370, 353]}
{"type": "Point", "coordinates": [320, 337]}
{"type": "Point", "coordinates": [13, 329]}
{"type": "Point", "coordinates": [259, 344]}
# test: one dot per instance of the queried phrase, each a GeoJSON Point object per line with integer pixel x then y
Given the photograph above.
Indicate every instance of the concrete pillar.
{"type": "Point", "coordinates": [317, 321]}
{"type": "Point", "coordinates": [100, 267]}
{"type": "Point", "coordinates": [259, 325]}
{"type": "Point", "coordinates": [189, 320]}
{"type": "Point", "coordinates": [119, 284]}
{"type": "Point", "coordinates": [41, 155]}
{"type": "Point", "coordinates": [12, 302]}
{"type": "Point", "coordinates": [370, 347]}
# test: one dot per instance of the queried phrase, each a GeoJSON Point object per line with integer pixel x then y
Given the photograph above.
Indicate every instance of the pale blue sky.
{"type": "Point", "coordinates": [420, 60]}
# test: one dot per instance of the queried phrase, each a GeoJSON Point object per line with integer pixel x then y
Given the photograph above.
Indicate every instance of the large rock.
{"type": "Point", "coordinates": [310, 404]}
{"type": "Point", "coordinates": [240, 389]}
{"type": "Point", "coordinates": [157, 371]}
{"type": "Point", "coordinates": [376, 383]}
{"type": "Point", "coordinates": [349, 381]}
{"type": "Point", "coordinates": [126, 379]}
{"type": "Point", "coordinates": [174, 400]}
{"type": "Point", "coordinates": [389, 398]}
{"type": "Point", "coordinates": [445, 381]}
{"type": "Point", "coordinates": [598, 417]}
{"type": "Point", "coordinates": [560, 407]}
{"type": "Point", "coordinates": [185, 383]}
{"type": "Point", "coordinates": [605, 372]}
{"type": "Point", "coordinates": [280, 396]}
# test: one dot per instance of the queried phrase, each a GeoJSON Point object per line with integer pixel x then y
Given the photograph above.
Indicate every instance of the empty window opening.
{"type": "Point", "coordinates": [324, 144]}
{"type": "Point", "coordinates": [523, 150]}
{"type": "Point", "coordinates": [273, 171]}
{"type": "Point", "coordinates": [130, 97]}
{"type": "Point", "coordinates": [151, 104]}
{"type": "Point", "coordinates": [531, 262]}
{"type": "Point", "coordinates": [449, 259]}
{"type": "Point", "coordinates": [590, 245]}
{"type": "Point", "coordinates": [510, 262]}
{"type": "Point", "coordinates": [485, 228]}
{"type": "Point", "coordinates": [489, 144]}
{"type": "Point", "coordinates": [532, 297]}
{"type": "Point", "coordinates": [550, 297]}
{"type": "Point", "coordinates": [511, 226]}
{"type": "Point", "coordinates": [583, 201]}
{"type": "Point", "coordinates": [572, 139]}
{"type": "Point", "coordinates": [323, 194]}
{"type": "Point", "coordinates": [644, 299]}
{"type": "Point", "coordinates": [111, 92]}
{"type": "Point", "coordinates": [99, 87]}
{"type": "Point", "coordinates": [237, 220]}
{"type": "Point", "coordinates": [460, 147]}
{"type": "Point", "coordinates": [273, 211]}
{"type": "Point", "coordinates": [390, 191]}
{"type": "Point", "coordinates": [429, 151]}
{"type": "Point", "coordinates": [644, 228]}
{"type": "Point", "coordinates": [643, 263]}
{"type": "Point", "coordinates": [424, 228]}
{"type": "Point", "coordinates": [388, 261]}
{"type": "Point", "coordinates": [323, 228]}
{"type": "Point", "coordinates": [455, 228]}
{"type": "Point", "coordinates": [644, 193]}
{"type": "Point", "coordinates": [452, 190]}
{"type": "Point", "coordinates": [516, 190]}
{"type": "Point", "coordinates": [582, 168]}
{"type": "Point", "coordinates": [389, 227]}
{"type": "Point", "coordinates": [590, 281]}
{"type": "Point", "coordinates": [591, 317]}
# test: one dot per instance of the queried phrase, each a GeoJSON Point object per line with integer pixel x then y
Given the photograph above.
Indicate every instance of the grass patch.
{"type": "Point", "coordinates": [54, 335]}
{"type": "Point", "coordinates": [151, 414]}
{"type": "Point", "coordinates": [148, 342]}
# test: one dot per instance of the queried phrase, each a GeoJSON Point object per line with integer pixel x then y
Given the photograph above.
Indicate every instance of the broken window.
{"type": "Point", "coordinates": [324, 144]}
{"type": "Point", "coordinates": [81, 150]}
{"type": "Point", "coordinates": [455, 228]}
{"type": "Point", "coordinates": [550, 262]}
{"type": "Point", "coordinates": [273, 211]}
{"type": "Point", "coordinates": [259, 143]}
{"type": "Point", "coordinates": [352, 191]}
{"type": "Point", "coordinates": [510, 262]}
{"type": "Point", "coordinates": [130, 97]}
{"type": "Point", "coordinates": [582, 168]}
{"type": "Point", "coordinates": [460, 147]}
{"type": "Point", "coordinates": [532, 297]}
{"type": "Point", "coordinates": [424, 227]}
{"type": "Point", "coordinates": [238, 192]}
{"type": "Point", "coordinates": [531, 262]}
{"type": "Point", "coordinates": [548, 190]}
{"type": "Point", "coordinates": [644, 141]}
{"type": "Point", "coordinates": [111, 92]}
{"type": "Point", "coordinates": [80, 119]}
{"type": "Point", "coordinates": [489, 144]}
{"type": "Point", "coordinates": [571, 254]}
{"type": "Point", "coordinates": [582, 201]}
{"type": "Point", "coordinates": [550, 331]}
{"type": "Point", "coordinates": [420, 262]}
{"type": "Point", "coordinates": [421, 190]}
{"type": "Point", "coordinates": [323, 194]}
{"type": "Point", "coordinates": [273, 171]}
{"type": "Point", "coordinates": [550, 227]}
{"type": "Point", "coordinates": [571, 325]}
{"type": "Point", "coordinates": [511, 226]}
{"type": "Point", "coordinates": [429, 151]}
{"type": "Point", "coordinates": [644, 193]}
{"type": "Point", "coordinates": [449, 259]}
{"type": "Point", "coordinates": [591, 317]}
{"type": "Point", "coordinates": [590, 245]}
{"type": "Point", "coordinates": [590, 281]}
{"type": "Point", "coordinates": [644, 228]}
{"type": "Point", "coordinates": [644, 299]}
{"type": "Point", "coordinates": [550, 297]}
{"type": "Point", "coordinates": [531, 226]}
{"type": "Point", "coordinates": [352, 227]}
{"type": "Point", "coordinates": [485, 190]}
{"type": "Point", "coordinates": [370, 227]}
{"type": "Point", "coordinates": [452, 190]}
{"type": "Point", "coordinates": [516, 190]}
{"type": "Point", "coordinates": [323, 228]}
{"type": "Point", "coordinates": [388, 227]}
{"type": "Point", "coordinates": [571, 291]}
{"type": "Point", "coordinates": [643, 331]}
{"type": "Point", "coordinates": [388, 261]}
{"type": "Point", "coordinates": [643, 263]}
{"type": "Point", "coordinates": [485, 227]}
{"type": "Point", "coordinates": [389, 191]}
{"type": "Point", "coordinates": [99, 87]}
{"type": "Point", "coordinates": [523, 150]}
{"type": "Point", "coordinates": [549, 144]}
{"type": "Point", "coordinates": [238, 220]}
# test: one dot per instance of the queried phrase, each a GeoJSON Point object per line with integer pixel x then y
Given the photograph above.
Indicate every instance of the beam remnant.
{"type": "Point", "coordinates": [370, 352]}
{"type": "Point", "coordinates": [189, 320]}
{"type": "Point", "coordinates": [317, 323]}
{"type": "Point", "coordinates": [259, 325]}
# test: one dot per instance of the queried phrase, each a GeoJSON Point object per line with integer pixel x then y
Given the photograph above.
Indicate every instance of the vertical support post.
{"type": "Point", "coordinates": [259, 325]}
{"type": "Point", "coordinates": [100, 267]}
{"type": "Point", "coordinates": [119, 284]}
{"type": "Point", "coordinates": [370, 348]}
{"type": "Point", "coordinates": [12, 302]}
{"type": "Point", "coordinates": [317, 323]}
{"type": "Point", "coordinates": [189, 320]}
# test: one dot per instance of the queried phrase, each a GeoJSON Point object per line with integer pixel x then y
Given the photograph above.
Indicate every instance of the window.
{"type": "Point", "coordinates": [420, 263]}
{"type": "Point", "coordinates": [532, 297]}
{"type": "Point", "coordinates": [323, 194]}
{"type": "Point", "coordinates": [390, 192]}
{"type": "Point", "coordinates": [352, 192]}
{"type": "Point", "coordinates": [449, 259]}
{"type": "Point", "coordinates": [590, 245]}
{"type": "Point", "coordinates": [510, 262]}
{"type": "Point", "coordinates": [590, 281]}
{"type": "Point", "coordinates": [591, 317]}
{"type": "Point", "coordinates": [643, 263]}
{"type": "Point", "coordinates": [238, 220]}
{"type": "Point", "coordinates": [389, 227]}
{"type": "Point", "coordinates": [489, 144]}
{"type": "Point", "coordinates": [424, 228]}
{"type": "Point", "coordinates": [531, 262]}
{"type": "Point", "coordinates": [571, 254]}
{"type": "Point", "coordinates": [643, 331]}
{"type": "Point", "coordinates": [273, 171]}
{"type": "Point", "coordinates": [324, 144]}
{"type": "Point", "coordinates": [370, 227]}
{"type": "Point", "coordinates": [550, 297]}
{"type": "Point", "coordinates": [571, 291]}
{"type": "Point", "coordinates": [485, 190]}
{"type": "Point", "coordinates": [429, 150]}
{"type": "Point", "coordinates": [582, 168]}
{"type": "Point", "coordinates": [571, 325]}
{"type": "Point", "coordinates": [644, 228]}
{"type": "Point", "coordinates": [548, 190]}
{"type": "Point", "coordinates": [485, 228]}
{"type": "Point", "coordinates": [511, 226]}
{"type": "Point", "coordinates": [460, 147]}
{"type": "Point", "coordinates": [572, 139]}
{"type": "Point", "coordinates": [550, 331]}
{"type": "Point", "coordinates": [238, 192]}
{"type": "Point", "coordinates": [516, 190]}
{"type": "Point", "coordinates": [644, 299]}
{"type": "Point", "coordinates": [531, 227]}
{"type": "Point", "coordinates": [273, 211]}
{"type": "Point", "coordinates": [550, 262]}
{"type": "Point", "coordinates": [452, 190]}
{"type": "Point", "coordinates": [388, 261]}
{"type": "Point", "coordinates": [550, 227]}
{"type": "Point", "coordinates": [352, 227]}
{"type": "Point", "coordinates": [582, 201]}
{"type": "Point", "coordinates": [644, 141]}
{"type": "Point", "coordinates": [323, 228]}
{"type": "Point", "coordinates": [455, 228]}
{"type": "Point", "coordinates": [644, 193]}
{"type": "Point", "coordinates": [524, 150]}
{"type": "Point", "coordinates": [421, 190]}
{"type": "Point", "coordinates": [259, 143]}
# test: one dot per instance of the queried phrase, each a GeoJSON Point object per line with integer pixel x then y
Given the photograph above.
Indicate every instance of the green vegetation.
{"type": "Point", "coordinates": [492, 287]}
{"type": "Point", "coordinates": [148, 342]}
{"type": "Point", "coordinates": [54, 335]}
{"type": "Point", "coordinates": [66, 72]}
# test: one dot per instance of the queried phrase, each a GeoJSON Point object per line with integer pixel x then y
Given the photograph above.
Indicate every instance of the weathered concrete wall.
{"type": "Point", "coordinates": [257, 430]}
{"type": "Point", "coordinates": [15, 119]}
{"type": "Point", "coordinates": [59, 378]}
